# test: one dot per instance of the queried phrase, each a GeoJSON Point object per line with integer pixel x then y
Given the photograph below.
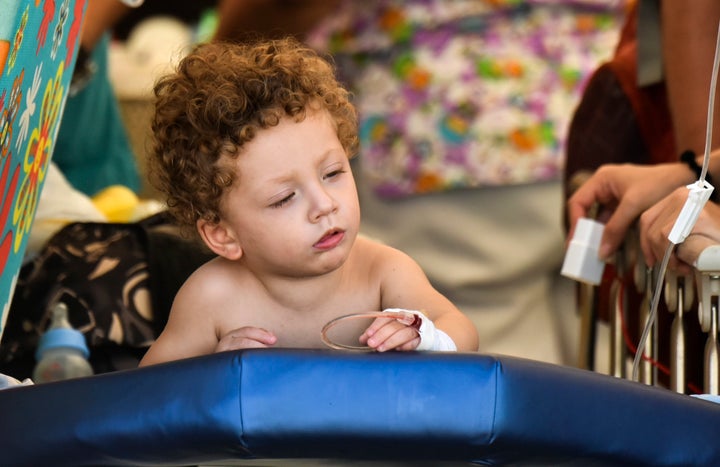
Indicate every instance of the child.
{"type": "Point", "coordinates": [252, 148]}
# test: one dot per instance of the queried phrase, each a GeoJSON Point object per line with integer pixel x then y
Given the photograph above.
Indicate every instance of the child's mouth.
{"type": "Point", "coordinates": [330, 240]}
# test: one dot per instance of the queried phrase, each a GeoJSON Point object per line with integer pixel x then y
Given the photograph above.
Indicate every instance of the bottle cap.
{"type": "Point", "coordinates": [62, 337]}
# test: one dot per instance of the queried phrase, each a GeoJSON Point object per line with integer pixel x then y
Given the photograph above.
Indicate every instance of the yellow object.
{"type": "Point", "coordinates": [117, 202]}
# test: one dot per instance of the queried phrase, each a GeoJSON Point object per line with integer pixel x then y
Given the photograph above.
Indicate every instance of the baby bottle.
{"type": "Point", "coordinates": [62, 352]}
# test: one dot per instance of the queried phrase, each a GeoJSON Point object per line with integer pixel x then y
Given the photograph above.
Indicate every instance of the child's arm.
{"type": "Point", "coordinates": [173, 346]}
{"type": "Point", "coordinates": [405, 286]}
{"type": "Point", "coordinates": [186, 333]}
{"type": "Point", "coordinates": [192, 328]}
{"type": "Point", "coordinates": [247, 337]}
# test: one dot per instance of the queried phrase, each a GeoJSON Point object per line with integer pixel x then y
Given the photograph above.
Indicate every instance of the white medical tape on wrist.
{"type": "Point", "coordinates": [431, 338]}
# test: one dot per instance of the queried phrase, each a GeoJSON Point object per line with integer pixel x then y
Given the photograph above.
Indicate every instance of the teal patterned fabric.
{"type": "Point", "coordinates": [38, 46]}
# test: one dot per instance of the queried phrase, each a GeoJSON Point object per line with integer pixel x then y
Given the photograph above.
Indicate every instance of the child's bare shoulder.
{"type": "Point", "coordinates": [215, 272]}
{"type": "Point", "coordinates": [378, 254]}
{"type": "Point", "coordinates": [212, 283]}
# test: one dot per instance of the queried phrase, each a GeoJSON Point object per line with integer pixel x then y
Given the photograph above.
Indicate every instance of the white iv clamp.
{"type": "Point", "coordinates": [699, 194]}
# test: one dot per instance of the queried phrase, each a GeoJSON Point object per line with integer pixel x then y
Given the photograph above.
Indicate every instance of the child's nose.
{"type": "Point", "coordinates": [322, 204]}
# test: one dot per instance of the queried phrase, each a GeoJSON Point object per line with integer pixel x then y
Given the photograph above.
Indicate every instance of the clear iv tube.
{"type": "Point", "coordinates": [711, 109]}
{"type": "Point", "coordinates": [652, 316]}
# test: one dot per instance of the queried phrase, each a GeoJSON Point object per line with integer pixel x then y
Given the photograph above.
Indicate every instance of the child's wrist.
{"type": "Point", "coordinates": [431, 338]}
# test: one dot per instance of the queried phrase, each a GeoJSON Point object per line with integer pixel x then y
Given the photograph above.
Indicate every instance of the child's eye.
{"type": "Point", "coordinates": [334, 173]}
{"type": "Point", "coordinates": [283, 201]}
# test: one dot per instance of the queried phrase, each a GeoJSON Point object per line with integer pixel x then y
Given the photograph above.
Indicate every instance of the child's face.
{"type": "Point", "coordinates": [294, 207]}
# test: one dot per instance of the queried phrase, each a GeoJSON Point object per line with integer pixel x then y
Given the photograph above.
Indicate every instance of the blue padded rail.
{"type": "Point", "coordinates": [304, 404]}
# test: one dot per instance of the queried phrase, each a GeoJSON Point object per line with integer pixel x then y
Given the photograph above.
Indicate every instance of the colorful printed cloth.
{"type": "Point", "coordinates": [38, 48]}
{"type": "Point", "coordinates": [466, 93]}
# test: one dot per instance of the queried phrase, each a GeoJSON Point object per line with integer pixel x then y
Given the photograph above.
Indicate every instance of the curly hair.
{"type": "Point", "coordinates": [217, 100]}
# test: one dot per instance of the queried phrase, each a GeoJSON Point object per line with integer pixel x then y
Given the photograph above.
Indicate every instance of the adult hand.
{"type": "Point", "coordinates": [657, 222]}
{"type": "Point", "coordinates": [623, 192]}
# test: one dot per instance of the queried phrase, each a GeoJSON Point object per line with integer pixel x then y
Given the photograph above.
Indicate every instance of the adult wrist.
{"type": "Point", "coordinates": [689, 158]}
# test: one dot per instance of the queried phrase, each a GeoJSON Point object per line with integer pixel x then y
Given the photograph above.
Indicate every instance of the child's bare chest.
{"type": "Point", "coordinates": [302, 328]}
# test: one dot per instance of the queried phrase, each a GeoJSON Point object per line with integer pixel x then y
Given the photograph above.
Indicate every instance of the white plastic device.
{"type": "Point", "coordinates": [698, 194]}
{"type": "Point", "coordinates": [582, 261]}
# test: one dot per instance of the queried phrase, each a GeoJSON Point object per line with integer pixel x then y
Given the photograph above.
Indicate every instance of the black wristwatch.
{"type": "Point", "coordinates": [688, 157]}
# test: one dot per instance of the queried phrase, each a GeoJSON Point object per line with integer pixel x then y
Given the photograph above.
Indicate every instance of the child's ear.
{"type": "Point", "coordinates": [220, 239]}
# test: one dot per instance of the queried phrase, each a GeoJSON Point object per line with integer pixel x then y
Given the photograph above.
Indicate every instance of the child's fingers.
{"type": "Point", "coordinates": [246, 338]}
{"type": "Point", "coordinates": [375, 326]}
{"type": "Point", "coordinates": [394, 335]}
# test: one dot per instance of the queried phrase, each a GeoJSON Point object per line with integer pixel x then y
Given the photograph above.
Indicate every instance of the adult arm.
{"type": "Point", "coordinates": [243, 19]}
{"type": "Point", "coordinates": [689, 33]}
{"type": "Point", "coordinates": [100, 17]}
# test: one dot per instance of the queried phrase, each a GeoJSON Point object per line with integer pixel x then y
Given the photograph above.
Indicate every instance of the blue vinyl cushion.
{"type": "Point", "coordinates": [316, 404]}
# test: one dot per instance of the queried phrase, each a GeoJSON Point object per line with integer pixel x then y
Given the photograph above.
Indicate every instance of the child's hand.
{"type": "Point", "coordinates": [246, 338]}
{"type": "Point", "coordinates": [391, 334]}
